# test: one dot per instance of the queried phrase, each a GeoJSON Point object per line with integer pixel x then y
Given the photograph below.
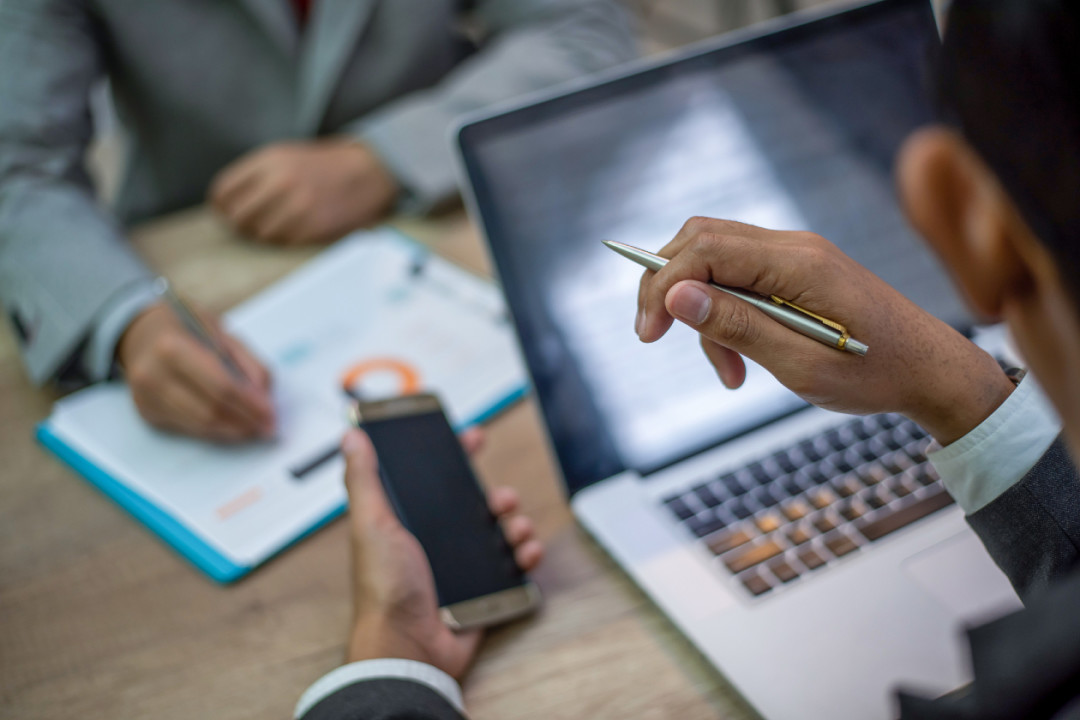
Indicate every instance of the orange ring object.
{"type": "Point", "coordinates": [409, 378]}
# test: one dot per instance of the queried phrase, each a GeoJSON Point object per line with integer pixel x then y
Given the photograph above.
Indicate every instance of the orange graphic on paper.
{"type": "Point", "coordinates": [408, 377]}
{"type": "Point", "coordinates": [239, 502]}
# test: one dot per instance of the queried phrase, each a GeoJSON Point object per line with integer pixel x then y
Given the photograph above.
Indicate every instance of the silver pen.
{"type": "Point", "coordinates": [197, 327]}
{"type": "Point", "coordinates": [785, 312]}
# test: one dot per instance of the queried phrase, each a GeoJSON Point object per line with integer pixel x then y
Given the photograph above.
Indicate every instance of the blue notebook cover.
{"type": "Point", "coordinates": [197, 551]}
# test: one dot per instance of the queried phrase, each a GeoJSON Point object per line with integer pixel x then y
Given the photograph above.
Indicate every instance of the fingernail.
{"type": "Point", "coordinates": [639, 322]}
{"type": "Point", "coordinates": [691, 304]}
{"type": "Point", "coordinates": [351, 442]}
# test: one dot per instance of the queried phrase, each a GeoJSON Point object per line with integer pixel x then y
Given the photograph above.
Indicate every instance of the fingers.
{"type": "Point", "coordinates": [738, 326]}
{"type": "Point", "coordinates": [250, 365]}
{"type": "Point", "coordinates": [234, 181]}
{"type": "Point", "coordinates": [518, 529]}
{"type": "Point", "coordinates": [234, 399]}
{"type": "Point", "coordinates": [503, 501]}
{"type": "Point", "coordinates": [529, 555]}
{"type": "Point", "coordinates": [367, 498]}
{"type": "Point", "coordinates": [472, 439]}
{"type": "Point", "coordinates": [729, 364]}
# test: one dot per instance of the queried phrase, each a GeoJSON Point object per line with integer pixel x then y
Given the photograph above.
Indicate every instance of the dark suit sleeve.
{"type": "Point", "coordinates": [1026, 665]}
{"type": "Point", "coordinates": [384, 699]}
{"type": "Point", "coordinates": [1033, 529]}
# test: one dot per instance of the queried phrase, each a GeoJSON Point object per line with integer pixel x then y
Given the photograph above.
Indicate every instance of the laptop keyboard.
{"type": "Point", "coordinates": [804, 507]}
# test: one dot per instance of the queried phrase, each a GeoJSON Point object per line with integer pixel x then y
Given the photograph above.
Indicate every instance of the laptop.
{"type": "Point", "coordinates": [814, 558]}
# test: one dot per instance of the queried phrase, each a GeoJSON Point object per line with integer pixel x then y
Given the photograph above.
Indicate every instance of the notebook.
{"type": "Point", "coordinates": [375, 315]}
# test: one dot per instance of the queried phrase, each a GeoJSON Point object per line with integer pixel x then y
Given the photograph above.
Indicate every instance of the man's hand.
{"type": "Point", "coordinates": [396, 610]}
{"type": "Point", "coordinates": [179, 385]}
{"type": "Point", "coordinates": [917, 365]}
{"type": "Point", "coordinates": [302, 193]}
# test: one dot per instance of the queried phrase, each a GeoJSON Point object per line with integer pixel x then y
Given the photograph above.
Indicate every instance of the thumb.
{"type": "Point", "coordinates": [366, 493]}
{"type": "Point", "coordinates": [729, 321]}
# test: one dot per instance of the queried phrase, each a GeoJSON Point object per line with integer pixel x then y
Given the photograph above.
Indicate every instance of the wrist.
{"type": "Point", "coordinates": [374, 637]}
{"type": "Point", "coordinates": [957, 408]}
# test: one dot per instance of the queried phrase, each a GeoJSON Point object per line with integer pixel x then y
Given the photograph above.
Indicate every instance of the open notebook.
{"type": "Point", "coordinates": [376, 314]}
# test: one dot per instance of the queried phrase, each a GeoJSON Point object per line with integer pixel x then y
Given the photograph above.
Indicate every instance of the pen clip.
{"type": "Point", "coordinates": [844, 334]}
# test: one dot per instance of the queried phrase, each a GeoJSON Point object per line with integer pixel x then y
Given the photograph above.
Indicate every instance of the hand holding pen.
{"type": "Point", "coordinates": [917, 365]}
{"type": "Point", "coordinates": [190, 377]}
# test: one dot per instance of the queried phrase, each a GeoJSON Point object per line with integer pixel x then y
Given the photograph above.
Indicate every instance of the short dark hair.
{"type": "Point", "coordinates": [1009, 79]}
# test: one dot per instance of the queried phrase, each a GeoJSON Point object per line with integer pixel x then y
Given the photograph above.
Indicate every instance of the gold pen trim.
{"type": "Point", "coordinates": [844, 334]}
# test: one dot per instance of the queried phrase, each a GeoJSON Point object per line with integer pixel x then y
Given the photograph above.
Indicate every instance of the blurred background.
{"type": "Point", "coordinates": [662, 25]}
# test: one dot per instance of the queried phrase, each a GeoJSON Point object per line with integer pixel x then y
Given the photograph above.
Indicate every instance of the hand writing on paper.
{"type": "Point", "coordinates": [179, 385]}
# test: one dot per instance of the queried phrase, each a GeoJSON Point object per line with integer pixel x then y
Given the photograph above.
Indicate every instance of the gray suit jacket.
{"type": "Point", "coordinates": [197, 83]}
{"type": "Point", "coordinates": [1027, 664]}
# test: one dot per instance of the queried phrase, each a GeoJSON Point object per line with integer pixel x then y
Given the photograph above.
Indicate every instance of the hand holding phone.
{"type": "Point", "coordinates": [396, 606]}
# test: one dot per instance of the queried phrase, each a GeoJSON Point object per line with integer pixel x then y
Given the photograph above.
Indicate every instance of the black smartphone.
{"type": "Point", "coordinates": [435, 493]}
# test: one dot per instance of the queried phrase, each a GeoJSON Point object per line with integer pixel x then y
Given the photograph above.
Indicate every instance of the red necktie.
{"type": "Point", "coordinates": [303, 9]}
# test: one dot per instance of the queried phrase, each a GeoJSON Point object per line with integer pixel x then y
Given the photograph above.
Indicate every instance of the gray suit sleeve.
{"type": "Point", "coordinates": [384, 699]}
{"type": "Point", "coordinates": [1032, 530]}
{"type": "Point", "coordinates": [534, 44]}
{"type": "Point", "coordinates": [62, 258]}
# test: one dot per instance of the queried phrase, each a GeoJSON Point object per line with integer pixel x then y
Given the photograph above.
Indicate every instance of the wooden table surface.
{"type": "Point", "coordinates": [98, 619]}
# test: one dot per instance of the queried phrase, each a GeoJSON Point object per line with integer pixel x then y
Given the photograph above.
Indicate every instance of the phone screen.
{"type": "Point", "coordinates": [436, 496]}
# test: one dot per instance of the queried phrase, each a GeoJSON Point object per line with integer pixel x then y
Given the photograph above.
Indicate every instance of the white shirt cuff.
{"type": "Point", "coordinates": [398, 669]}
{"type": "Point", "coordinates": [1000, 451]}
{"type": "Point", "coordinates": [100, 350]}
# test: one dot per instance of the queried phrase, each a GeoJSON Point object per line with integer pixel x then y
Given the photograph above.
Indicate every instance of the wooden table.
{"type": "Point", "coordinates": [98, 619]}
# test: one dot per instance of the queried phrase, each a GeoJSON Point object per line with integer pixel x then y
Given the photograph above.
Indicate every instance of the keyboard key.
{"type": "Point", "coordinates": [706, 495]}
{"type": "Point", "coordinates": [809, 449]}
{"type": "Point", "coordinates": [836, 442]}
{"type": "Point", "coordinates": [841, 462]}
{"type": "Point", "coordinates": [824, 523]}
{"type": "Point", "coordinates": [747, 556]}
{"type": "Point", "coordinates": [896, 462]}
{"type": "Point", "coordinates": [764, 496]}
{"type": "Point", "coordinates": [728, 539]}
{"type": "Point", "coordinates": [786, 463]}
{"type": "Point", "coordinates": [916, 450]}
{"type": "Point", "coordinates": [811, 558]}
{"type": "Point", "coordinates": [846, 486]}
{"type": "Point", "coordinates": [789, 485]}
{"type": "Point", "coordinates": [738, 509]}
{"type": "Point", "coordinates": [796, 509]}
{"type": "Point", "coordinates": [864, 428]}
{"type": "Point", "coordinates": [704, 524]}
{"type": "Point", "coordinates": [925, 474]}
{"type": "Point", "coordinates": [853, 509]}
{"type": "Point", "coordinates": [732, 485]}
{"type": "Point", "coordinates": [769, 521]}
{"type": "Point", "coordinates": [818, 473]}
{"type": "Point", "coordinates": [759, 473]}
{"type": "Point", "coordinates": [822, 497]}
{"type": "Point", "coordinates": [679, 507]}
{"type": "Point", "coordinates": [840, 544]}
{"type": "Point", "coordinates": [756, 584]}
{"type": "Point", "coordinates": [878, 499]}
{"type": "Point", "coordinates": [783, 571]}
{"type": "Point", "coordinates": [904, 516]}
{"type": "Point", "coordinates": [799, 534]}
{"type": "Point", "coordinates": [898, 486]}
{"type": "Point", "coordinates": [873, 473]}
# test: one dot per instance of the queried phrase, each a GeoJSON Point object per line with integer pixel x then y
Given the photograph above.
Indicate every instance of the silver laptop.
{"type": "Point", "coordinates": [813, 558]}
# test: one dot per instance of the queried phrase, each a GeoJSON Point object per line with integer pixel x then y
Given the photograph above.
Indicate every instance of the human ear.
{"type": "Point", "coordinates": [954, 200]}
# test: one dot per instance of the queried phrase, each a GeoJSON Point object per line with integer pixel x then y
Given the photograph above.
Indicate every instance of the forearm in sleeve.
{"type": "Point", "coordinates": [1032, 530]}
{"type": "Point", "coordinates": [63, 261]}
{"type": "Point", "coordinates": [534, 44]}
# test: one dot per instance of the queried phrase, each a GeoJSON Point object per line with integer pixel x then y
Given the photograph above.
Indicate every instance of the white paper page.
{"type": "Point", "coordinates": [374, 300]}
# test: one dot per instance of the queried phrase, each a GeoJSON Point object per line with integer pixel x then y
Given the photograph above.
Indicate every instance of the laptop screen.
{"type": "Point", "coordinates": [796, 129]}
